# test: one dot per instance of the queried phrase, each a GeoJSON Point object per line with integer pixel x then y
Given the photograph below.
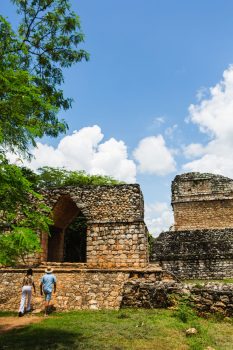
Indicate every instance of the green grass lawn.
{"type": "Point", "coordinates": [127, 329]}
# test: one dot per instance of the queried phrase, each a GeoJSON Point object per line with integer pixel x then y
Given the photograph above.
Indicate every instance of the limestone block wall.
{"type": "Point", "coordinates": [116, 232]}
{"type": "Point", "coordinates": [202, 201]}
{"type": "Point", "coordinates": [205, 254]}
{"type": "Point", "coordinates": [117, 245]}
{"type": "Point", "coordinates": [203, 214]}
{"type": "Point", "coordinates": [76, 288]}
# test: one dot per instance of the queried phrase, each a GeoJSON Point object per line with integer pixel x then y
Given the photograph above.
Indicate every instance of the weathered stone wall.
{"type": "Point", "coordinates": [206, 214]}
{"type": "Point", "coordinates": [116, 232]}
{"type": "Point", "coordinates": [114, 245]}
{"type": "Point", "coordinates": [99, 204]}
{"type": "Point", "coordinates": [79, 289]}
{"type": "Point", "coordinates": [200, 244]}
{"type": "Point", "coordinates": [76, 288]}
{"type": "Point", "coordinates": [206, 254]}
{"type": "Point", "coordinates": [202, 201]}
{"type": "Point", "coordinates": [211, 297]}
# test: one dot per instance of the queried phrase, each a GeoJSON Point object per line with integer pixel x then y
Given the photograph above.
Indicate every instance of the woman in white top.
{"type": "Point", "coordinates": [27, 285]}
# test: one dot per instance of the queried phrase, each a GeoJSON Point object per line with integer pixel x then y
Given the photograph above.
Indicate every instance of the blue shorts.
{"type": "Point", "coordinates": [47, 295]}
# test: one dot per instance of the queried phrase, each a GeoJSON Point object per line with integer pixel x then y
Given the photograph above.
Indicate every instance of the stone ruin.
{"type": "Point", "coordinates": [98, 247]}
{"type": "Point", "coordinates": [98, 242]}
{"type": "Point", "coordinates": [200, 244]}
{"type": "Point", "coordinates": [101, 226]}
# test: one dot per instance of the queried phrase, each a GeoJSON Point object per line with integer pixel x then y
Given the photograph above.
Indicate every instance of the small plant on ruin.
{"type": "Point", "coordinates": [151, 241]}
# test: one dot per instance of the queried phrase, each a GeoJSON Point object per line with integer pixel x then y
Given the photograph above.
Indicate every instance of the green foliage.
{"type": "Point", "coordinates": [151, 241]}
{"type": "Point", "coordinates": [59, 177]}
{"type": "Point", "coordinates": [31, 62]}
{"type": "Point", "coordinates": [185, 313]}
{"type": "Point", "coordinates": [22, 213]}
{"type": "Point", "coordinates": [19, 243]}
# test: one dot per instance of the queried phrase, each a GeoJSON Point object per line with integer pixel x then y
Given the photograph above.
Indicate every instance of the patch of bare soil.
{"type": "Point", "coordinates": [9, 323]}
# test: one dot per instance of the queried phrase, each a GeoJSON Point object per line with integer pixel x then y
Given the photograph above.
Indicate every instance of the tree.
{"type": "Point", "coordinates": [22, 215]}
{"type": "Point", "coordinates": [31, 63]}
{"type": "Point", "coordinates": [20, 186]}
{"type": "Point", "coordinates": [59, 177]}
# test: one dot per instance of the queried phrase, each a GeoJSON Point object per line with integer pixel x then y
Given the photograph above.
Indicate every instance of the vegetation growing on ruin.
{"type": "Point", "coordinates": [59, 177]}
{"type": "Point", "coordinates": [23, 213]}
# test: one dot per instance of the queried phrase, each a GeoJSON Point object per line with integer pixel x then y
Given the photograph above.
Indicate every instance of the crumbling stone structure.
{"type": "Point", "coordinates": [107, 266]}
{"type": "Point", "coordinates": [77, 288]}
{"type": "Point", "coordinates": [208, 297]}
{"type": "Point", "coordinates": [113, 233]}
{"type": "Point", "coordinates": [200, 244]}
{"type": "Point", "coordinates": [202, 201]}
{"type": "Point", "coordinates": [97, 241]}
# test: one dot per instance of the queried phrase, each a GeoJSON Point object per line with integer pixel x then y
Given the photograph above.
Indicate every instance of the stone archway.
{"type": "Point", "coordinates": [63, 236]}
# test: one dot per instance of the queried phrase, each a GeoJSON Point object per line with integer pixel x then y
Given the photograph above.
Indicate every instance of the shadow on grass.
{"type": "Point", "coordinates": [39, 338]}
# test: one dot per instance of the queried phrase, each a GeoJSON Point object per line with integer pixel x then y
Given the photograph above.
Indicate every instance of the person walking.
{"type": "Point", "coordinates": [27, 285]}
{"type": "Point", "coordinates": [48, 283]}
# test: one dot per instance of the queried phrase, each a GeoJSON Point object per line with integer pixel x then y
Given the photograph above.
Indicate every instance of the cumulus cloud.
{"type": "Point", "coordinates": [214, 117]}
{"type": "Point", "coordinates": [85, 150]}
{"type": "Point", "coordinates": [158, 217]}
{"type": "Point", "coordinates": [194, 150]}
{"type": "Point", "coordinates": [154, 157]}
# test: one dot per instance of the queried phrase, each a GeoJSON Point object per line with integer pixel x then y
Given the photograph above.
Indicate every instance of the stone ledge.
{"type": "Point", "coordinates": [83, 270]}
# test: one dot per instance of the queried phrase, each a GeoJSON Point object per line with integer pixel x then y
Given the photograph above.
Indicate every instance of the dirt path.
{"type": "Point", "coordinates": [9, 323]}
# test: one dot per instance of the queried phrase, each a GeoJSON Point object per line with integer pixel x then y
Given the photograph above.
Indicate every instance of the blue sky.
{"type": "Point", "coordinates": [150, 60]}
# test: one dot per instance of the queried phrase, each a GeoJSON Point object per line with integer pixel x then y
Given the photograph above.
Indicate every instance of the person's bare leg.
{"type": "Point", "coordinates": [46, 306]}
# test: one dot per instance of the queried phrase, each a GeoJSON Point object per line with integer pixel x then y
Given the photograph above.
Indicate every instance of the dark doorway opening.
{"type": "Point", "coordinates": [75, 244]}
{"type": "Point", "coordinates": [55, 244]}
{"type": "Point", "coordinates": [67, 241]}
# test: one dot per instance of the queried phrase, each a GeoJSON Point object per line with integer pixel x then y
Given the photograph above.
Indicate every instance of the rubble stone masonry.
{"type": "Point", "coordinates": [206, 254]}
{"type": "Point", "coordinates": [116, 232]}
{"type": "Point", "coordinates": [200, 244]}
{"type": "Point", "coordinates": [76, 288]}
{"type": "Point", "coordinates": [208, 297]}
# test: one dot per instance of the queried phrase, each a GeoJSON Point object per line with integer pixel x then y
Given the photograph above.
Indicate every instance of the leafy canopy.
{"type": "Point", "coordinates": [31, 63]}
{"type": "Point", "coordinates": [59, 177]}
{"type": "Point", "coordinates": [32, 60]}
{"type": "Point", "coordinates": [22, 214]}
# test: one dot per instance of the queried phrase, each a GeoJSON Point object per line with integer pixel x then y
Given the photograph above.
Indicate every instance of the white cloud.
{"type": "Point", "coordinates": [154, 157]}
{"type": "Point", "coordinates": [201, 93]}
{"type": "Point", "coordinates": [158, 217]}
{"type": "Point", "coordinates": [194, 150]}
{"type": "Point", "coordinates": [159, 120]}
{"type": "Point", "coordinates": [84, 150]}
{"type": "Point", "coordinates": [214, 116]}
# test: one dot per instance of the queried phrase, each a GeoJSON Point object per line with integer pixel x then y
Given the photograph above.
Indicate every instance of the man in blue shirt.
{"type": "Point", "coordinates": [48, 282]}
